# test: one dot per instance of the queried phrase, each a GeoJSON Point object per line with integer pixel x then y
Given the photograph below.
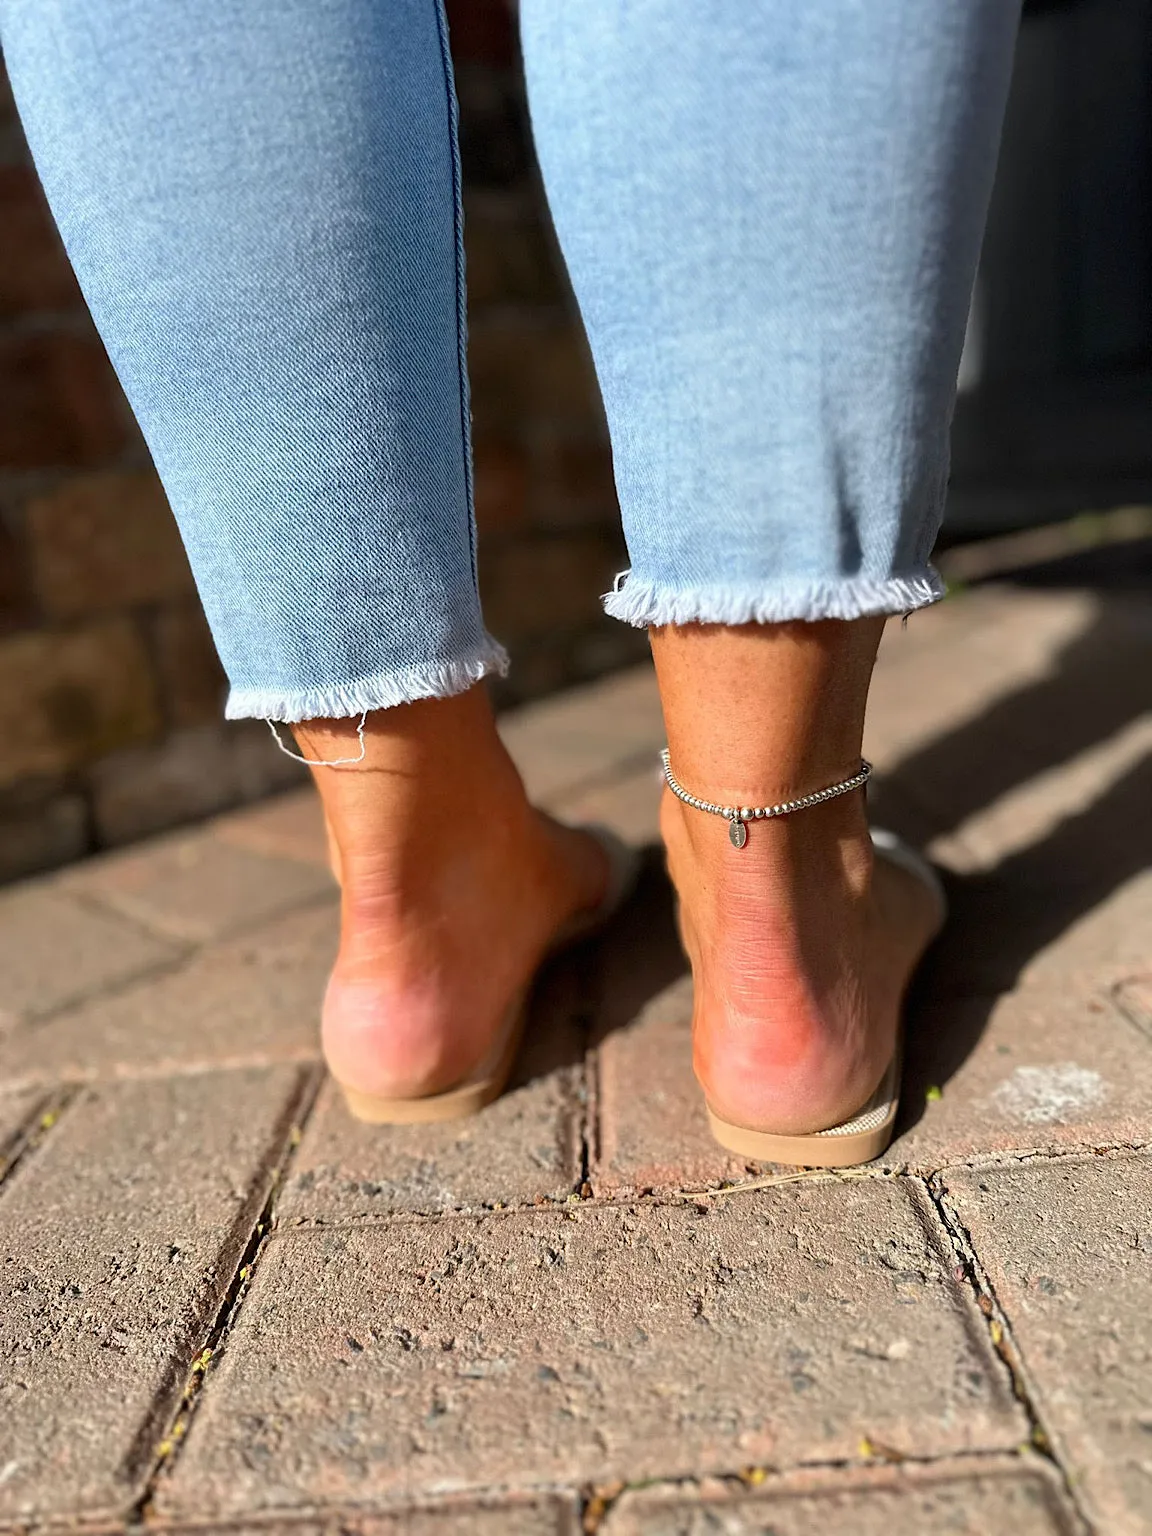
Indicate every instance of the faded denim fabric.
{"type": "Point", "coordinates": [771, 213]}
{"type": "Point", "coordinates": [261, 202]}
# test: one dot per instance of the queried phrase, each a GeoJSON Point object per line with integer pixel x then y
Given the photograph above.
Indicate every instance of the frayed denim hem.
{"type": "Point", "coordinates": [383, 690]}
{"type": "Point", "coordinates": [645, 603]}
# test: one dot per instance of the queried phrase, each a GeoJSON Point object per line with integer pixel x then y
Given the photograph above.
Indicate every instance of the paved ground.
{"type": "Point", "coordinates": [226, 1305]}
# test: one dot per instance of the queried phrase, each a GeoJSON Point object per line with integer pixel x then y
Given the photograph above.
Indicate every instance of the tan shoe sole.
{"type": "Point", "coordinates": [868, 1133]}
{"type": "Point", "coordinates": [858, 1140]}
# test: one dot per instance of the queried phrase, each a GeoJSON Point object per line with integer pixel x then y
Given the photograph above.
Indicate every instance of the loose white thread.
{"type": "Point", "coordinates": [322, 762]}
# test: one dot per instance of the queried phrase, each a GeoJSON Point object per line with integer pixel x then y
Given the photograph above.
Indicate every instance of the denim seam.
{"type": "Point", "coordinates": [461, 283]}
{"type": "Point", "coordinates": [380, 690]}
{"type": "Point", "coordinates": [641, 602]}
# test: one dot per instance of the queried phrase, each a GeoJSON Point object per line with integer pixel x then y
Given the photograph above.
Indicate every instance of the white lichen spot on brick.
{"type": "Point", "coordinates": [1049, 1095]}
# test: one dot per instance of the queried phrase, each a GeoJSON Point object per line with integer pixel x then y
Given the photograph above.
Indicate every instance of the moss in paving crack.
{"type": "Point", "coordinates": [191, 1387]}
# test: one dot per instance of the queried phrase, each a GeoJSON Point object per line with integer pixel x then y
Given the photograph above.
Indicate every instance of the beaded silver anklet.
{"type": "Point", "coordinates": [738, 816]}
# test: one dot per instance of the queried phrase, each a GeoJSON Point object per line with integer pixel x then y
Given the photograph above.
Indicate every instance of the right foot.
{"type": "Point", "coordinates": [453, 890]}
{"type": "Point", "coordinates": [802, 944]}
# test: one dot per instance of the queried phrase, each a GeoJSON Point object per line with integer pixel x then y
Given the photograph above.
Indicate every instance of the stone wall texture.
{"type": "Point", "coordinates": [110, 689]}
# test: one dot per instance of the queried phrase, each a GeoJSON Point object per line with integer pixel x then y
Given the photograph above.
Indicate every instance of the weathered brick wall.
{"type": "Point", "coordinates": [110, 691]}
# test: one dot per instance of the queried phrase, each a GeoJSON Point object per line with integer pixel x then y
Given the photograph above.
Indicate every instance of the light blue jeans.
{"type": "Point", "coordinates": [771, 211]}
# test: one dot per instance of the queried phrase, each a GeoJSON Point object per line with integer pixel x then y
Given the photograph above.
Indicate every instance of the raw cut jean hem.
{"type": "Point", "coordinates": [645, 603]}
{"type": "Point", "coordinates": [383, 690]}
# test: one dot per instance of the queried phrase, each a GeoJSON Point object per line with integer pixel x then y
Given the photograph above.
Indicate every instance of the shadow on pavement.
{"type": "Point", "coordinates": [601, 984]}
{"type": "Point", "coordinates": [1003, 917]}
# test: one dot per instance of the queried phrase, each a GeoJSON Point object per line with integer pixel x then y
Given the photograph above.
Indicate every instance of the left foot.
{"type": "Point", "coordinates": [453, 890]}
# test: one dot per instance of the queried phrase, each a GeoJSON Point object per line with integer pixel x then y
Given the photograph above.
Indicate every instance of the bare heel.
{"type": "Point", "coordinates": [868, 1133]}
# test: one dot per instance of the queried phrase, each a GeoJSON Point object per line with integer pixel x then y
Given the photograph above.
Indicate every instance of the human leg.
{"type": "Point", "coordinates": [771, 215]}
{"type": "Point", "coordinates": [262, 205]}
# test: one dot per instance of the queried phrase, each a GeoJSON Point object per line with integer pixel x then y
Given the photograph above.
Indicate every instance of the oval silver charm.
{"type": "Point", "coordinates": [737, 832]}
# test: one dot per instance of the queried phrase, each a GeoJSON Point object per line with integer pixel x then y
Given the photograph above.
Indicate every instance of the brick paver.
{"type": "Point", "coordinates": [629, 804]}
{"type": "Point", "coordinates": [997, 1498]}
{"type": "Point", "coordinates": [650, 1129]}
{"type": "Point", "coordinates": [1068, 1250]}
{"type": "Point", "coordinates": [518, 1322]}
{"type": "Point", "coordinates": [290, 826]}
{"type": "Point", "coordinates": [514, 1517]}
{"type": "Point", "coordinates": [198, 888]}
{"type": "Point", "coordinates": [1010, 930]}
{"type": "Point", "coordinates": [121, 1235]}
{"type": "Point", "coordinates": [586, 735]}
{"type": "Point", "coordinates": [15, 1112]}
{"type": "Point", "coordinates": [1030, 813]}
{"type": "Point", "coordinates": [54, 951]}
{"type": "Point", "coordinates": [591, 1344]}
{"type": "Point", "coordinates": [525, 1148]}
{"type": "Point", "coordinates": [1033, 1071]}
{"type": "Point", "coordinates": [254, 999]}
{"type": "Point", "coordinates": [1133, 997]}
{"type": "Point", "coordinates": [949, 695]}
{"type": "Point", "coordinates": [653, 1128]}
